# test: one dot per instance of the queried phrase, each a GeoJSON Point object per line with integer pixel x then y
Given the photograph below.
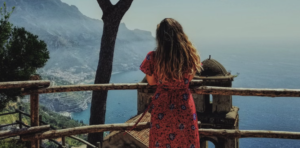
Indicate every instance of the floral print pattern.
{"type": "Point", "coordinates": [173, 115]}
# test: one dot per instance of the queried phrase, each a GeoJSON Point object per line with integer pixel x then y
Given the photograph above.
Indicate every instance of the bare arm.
{"type": "Point", "coordinates": [192, 76]}
{"type": "Point", "coordinates": [151, 80]}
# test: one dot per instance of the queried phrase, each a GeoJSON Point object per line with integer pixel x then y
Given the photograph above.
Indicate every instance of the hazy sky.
{"type": "Point", "coordinates": [213, 20]}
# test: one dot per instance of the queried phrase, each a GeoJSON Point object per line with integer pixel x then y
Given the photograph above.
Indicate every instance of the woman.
{"type": "Point", "coordinates": [171, 67]}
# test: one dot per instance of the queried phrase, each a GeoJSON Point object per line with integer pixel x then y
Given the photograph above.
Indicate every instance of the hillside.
{"type": "Point", "coordinates": [56, 120]}
{"type": "Point", "coordinates": [73, 40]}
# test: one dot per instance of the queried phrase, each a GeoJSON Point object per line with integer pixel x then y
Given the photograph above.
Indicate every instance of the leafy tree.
{"type": "Point", "coordinates": [112, 16]}
{"type": "Point", "coordinates": [21, 54]}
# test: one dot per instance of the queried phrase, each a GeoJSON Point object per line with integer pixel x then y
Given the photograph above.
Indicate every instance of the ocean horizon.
{"type": "Point", "coordinates": [260, 70]}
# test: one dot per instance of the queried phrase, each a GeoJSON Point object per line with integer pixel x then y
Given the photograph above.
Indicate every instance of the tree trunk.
{"type": "Point", "coordinates": [112, 16]}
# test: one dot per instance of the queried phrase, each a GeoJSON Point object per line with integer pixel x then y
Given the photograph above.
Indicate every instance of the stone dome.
{"type": "Point", "coordinates": [212, 67]}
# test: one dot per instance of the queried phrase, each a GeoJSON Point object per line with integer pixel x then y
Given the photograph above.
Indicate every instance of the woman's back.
{"type": "Point", "coordinates": [171, 66]}
{"type": "Point", "coordinates": [173, 115]}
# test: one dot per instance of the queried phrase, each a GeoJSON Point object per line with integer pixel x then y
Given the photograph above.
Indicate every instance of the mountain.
{"type": "Point", "coordinates": [73, 40]}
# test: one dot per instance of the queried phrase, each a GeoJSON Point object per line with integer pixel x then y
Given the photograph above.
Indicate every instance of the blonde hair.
{"type": "Point", "coordinates": [175, 55]}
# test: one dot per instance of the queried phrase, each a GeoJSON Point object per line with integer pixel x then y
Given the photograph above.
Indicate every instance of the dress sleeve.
{"type": "Point", "coordinates": [147, 65]}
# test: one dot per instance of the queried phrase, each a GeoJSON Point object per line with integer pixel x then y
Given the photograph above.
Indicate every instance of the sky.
{"type": "Point", "coordinates": [213, 20]}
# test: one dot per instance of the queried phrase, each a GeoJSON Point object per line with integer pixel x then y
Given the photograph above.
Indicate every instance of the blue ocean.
{"type": "Point", "coordinates": [262, 66]}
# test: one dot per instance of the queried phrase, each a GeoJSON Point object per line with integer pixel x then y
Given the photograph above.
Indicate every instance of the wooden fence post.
{"type": "Point", "coordinates": [63, 141]}
{"type": "Point", "coordinates": [40, 123]}
{"type": "Point", "coordinates": [20, 116]}
{"type": "Point", "coordinates": [40, 119]}
{"type": "Point", "coordinates": [99, 144]}
{"type": "Point", "coordinates": [20, 119]}
{"type": "Point", "coordinates": [34, 116]}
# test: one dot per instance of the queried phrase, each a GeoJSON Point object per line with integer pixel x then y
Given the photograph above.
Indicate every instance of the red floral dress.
{"type": "Point", "coordinates": [173, 115]}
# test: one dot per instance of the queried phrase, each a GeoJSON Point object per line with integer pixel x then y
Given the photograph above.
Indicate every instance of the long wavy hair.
{"type": "Point", "coordinates": [175, 55]}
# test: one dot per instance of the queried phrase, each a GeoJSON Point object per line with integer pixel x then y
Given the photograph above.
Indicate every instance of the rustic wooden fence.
{"type": "Point", "coordinates": [34, 88]}
{"type": "Point", "coordinates": [31, 130]}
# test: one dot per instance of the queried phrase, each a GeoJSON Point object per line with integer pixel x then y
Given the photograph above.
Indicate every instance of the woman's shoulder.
{"type": "Point", "coordinates": [150, 55]}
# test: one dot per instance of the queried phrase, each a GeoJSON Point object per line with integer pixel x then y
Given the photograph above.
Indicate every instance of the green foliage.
{"type": "Point", "coordinates": [5, 26]}
{"type": "Point", "coordinates": [50, 145]}
{"type": "Point", "coordinates": [21, 54]}
{"type": "Point", "coordinates": [11, 118]}
{"type": "Point", "coordinates": [72, 142]}
{"type": "Point", "coordinates": [54, 119]}
{"type": "Point", "coordinates": [58, 121]}
{"type": "Point", "coordinates": [11, 143]}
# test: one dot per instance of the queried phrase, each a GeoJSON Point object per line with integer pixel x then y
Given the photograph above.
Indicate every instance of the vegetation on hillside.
{"type": "Point", "coordinates": [56, 120]}
{"type": "Point", "coordinates": [11, 143]}
{"type": "Point", "coordinates": [68, 101]}
{"type": "Point", "coordinates": [21, 54]}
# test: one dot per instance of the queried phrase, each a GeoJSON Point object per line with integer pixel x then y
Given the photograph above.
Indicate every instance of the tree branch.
{"type": "Point", "coordinates": [114, 12]}
{"type": "Point", "coordinates": [105, 5]}
{"type": "Point", "coordinates": [123, 5]}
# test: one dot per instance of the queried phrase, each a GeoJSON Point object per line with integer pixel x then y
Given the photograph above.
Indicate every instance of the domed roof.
{"type": "Point", "coordinates": [212, 67]}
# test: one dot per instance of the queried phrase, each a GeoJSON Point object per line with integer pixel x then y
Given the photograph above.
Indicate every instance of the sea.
{"type": "Point", "coordinates": [259, 66]}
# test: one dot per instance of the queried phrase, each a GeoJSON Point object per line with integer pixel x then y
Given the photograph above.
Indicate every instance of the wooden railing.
{"type": "Point", "coordinates": [30, 130]}
{"type": "Point", "coordinates": [34, 88]}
